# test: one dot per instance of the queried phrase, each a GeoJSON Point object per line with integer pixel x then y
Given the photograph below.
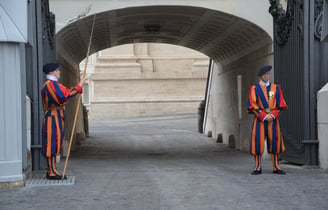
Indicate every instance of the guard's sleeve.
{"type": "Point", "coordinates": [281, 103]}
{"type": "Point", "coordinates": [252, 105]}
{"type": "Point", "coordinates": [275, 113]}
{"type": "Point", "coordinates": [64, 93]}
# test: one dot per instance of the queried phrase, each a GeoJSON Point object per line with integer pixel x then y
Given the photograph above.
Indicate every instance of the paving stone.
{"type": "Point", "coordinates": [164, 163]}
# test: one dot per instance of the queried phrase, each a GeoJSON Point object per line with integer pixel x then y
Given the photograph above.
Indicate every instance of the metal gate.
{"type": "Point", "coordinates": [39, 50]}
{"type": "Point", "coordinates": [300, 67]}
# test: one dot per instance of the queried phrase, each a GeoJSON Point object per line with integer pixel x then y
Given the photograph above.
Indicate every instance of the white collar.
{"type": "Point", "coordinates": [266, 84]}
{"type": "Point", "coordinates": [52, 77]}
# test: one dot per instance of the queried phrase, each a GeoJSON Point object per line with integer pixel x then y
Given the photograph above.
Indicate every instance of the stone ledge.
{"type": "Point", "coordinates": [15, 184]}
{"type": "Point", "coordinates": [154, 57]}
{"type": "Point", "coordinates": [110, 76]}
{"type": "Point", "coordinates": [144, 100]}
{"type": "Point", "coordinates": [116, 65]}
{"type": "Point", "coordinates": [120, 59]}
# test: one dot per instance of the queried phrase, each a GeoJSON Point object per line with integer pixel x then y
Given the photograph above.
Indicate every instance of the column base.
{"type": "Point", "coordinates": [11, 172]}
{"type": "Point", "coordinates": [15, 184]}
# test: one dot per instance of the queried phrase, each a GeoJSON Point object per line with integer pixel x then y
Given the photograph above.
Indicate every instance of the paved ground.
{"type": "Point", "coordinates": [163, 163]}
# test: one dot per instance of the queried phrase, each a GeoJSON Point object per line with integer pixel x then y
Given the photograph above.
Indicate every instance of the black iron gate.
{"type": "Point", "coordinates": [300, 67]}
{"type": "Point", "coordinates": [39, 50]}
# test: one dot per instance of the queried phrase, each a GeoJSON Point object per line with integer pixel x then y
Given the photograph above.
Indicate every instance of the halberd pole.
{"type": "Point", "coordinates": [79, 99]}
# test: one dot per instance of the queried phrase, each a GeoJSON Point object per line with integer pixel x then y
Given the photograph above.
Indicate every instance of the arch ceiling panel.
{"type": "Point", "coordinates": [214, 33]}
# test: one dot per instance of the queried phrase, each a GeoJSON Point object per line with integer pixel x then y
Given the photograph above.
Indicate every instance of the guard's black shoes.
{"type": "Point", "coordinates": [278, 171]}
{"type": "Point", "coordinates": [55, 177]}
{"type": "Point", "coordinates": [257, 172]}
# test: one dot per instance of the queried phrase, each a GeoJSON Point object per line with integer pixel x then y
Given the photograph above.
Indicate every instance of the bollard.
{"type": "Point", "coordinates": [232, 142]}
{"type": "Point", "coordinates": [220, 138]}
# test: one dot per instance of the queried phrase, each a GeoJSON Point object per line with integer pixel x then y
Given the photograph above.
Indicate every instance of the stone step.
{"type": "Point", "coordinates": [111, 59]}
{"type": "Point", "coordinates": [112, 100]}
{"type": "Point", "coordinates": [137, 75]}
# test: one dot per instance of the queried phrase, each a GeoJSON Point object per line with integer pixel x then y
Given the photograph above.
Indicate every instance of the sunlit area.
{"type": "Point", "coordinates": [138, 94]}
{"type": "Point", "coordinates": [144, 79]}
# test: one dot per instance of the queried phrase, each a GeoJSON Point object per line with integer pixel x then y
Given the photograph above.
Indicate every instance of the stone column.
{"type": "Point", "coordinates": [10, 113]}
{"type": "Point", "coordinates": [141, 52]}
{"type": "Point", "coordinates": [323, 126]}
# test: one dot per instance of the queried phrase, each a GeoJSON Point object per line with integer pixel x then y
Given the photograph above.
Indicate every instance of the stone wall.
{"type": "Point", "coordinates": [147, 79]}
{"type": "Point", "coordinates": [323, 126]}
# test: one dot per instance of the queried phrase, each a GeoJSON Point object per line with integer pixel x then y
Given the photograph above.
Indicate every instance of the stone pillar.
{"type": "Point", "coordinates": [10, 113]}
{"type": "Point", "coordinates": [323, 126]}
{"type": "Point", "coordinates": [141, 52]}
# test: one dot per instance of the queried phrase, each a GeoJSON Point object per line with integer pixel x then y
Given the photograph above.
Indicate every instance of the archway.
{"type": "Point", "coordinates": [216, 34]}
{"type": "Point", "coordinates": [237, 46]}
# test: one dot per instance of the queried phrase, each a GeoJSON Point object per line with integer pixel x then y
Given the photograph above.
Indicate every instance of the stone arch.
{"type": "Point", "coordinates": [238, 40]}
{"type": "Point", "coordinates": [217, 34]}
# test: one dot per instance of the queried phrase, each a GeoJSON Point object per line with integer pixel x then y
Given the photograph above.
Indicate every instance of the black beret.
{"type": "Point", "coordinates": [49, 67]}
{"type": "Point", "coordinates": [264, 69]}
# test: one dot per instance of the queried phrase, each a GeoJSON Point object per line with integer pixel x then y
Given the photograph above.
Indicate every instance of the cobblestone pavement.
{"type": "Point", "coordinates": [163, 163]}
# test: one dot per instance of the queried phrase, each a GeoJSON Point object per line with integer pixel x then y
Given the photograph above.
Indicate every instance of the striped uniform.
{"type": "Point", "coordinates": [54, 96]}
{"type": "Point", "coordinates": [262, 101]}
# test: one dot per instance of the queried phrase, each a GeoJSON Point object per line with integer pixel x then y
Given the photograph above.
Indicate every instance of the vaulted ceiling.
{"type": "Point", "coordinates": [216, 34]}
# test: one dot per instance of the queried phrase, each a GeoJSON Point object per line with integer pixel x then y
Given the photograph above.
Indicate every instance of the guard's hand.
{"type": "Point", "coordinates": [268, 117]}
{"type": "Point", "coordinates": [82, 82]}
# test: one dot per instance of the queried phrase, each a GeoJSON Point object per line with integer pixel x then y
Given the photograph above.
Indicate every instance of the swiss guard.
{"type": "Point", "coordinates": [266, 101]}
{"type": "Point", "coordinates": [54, 96]}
